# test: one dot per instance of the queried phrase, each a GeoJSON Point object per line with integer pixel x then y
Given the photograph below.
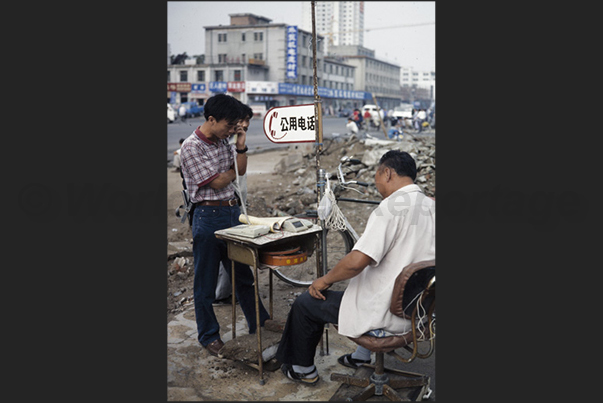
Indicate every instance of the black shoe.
{"type": "Point", "coordinates": [348, 361]}
{"type": "Point", "coordinates": [307, 379]}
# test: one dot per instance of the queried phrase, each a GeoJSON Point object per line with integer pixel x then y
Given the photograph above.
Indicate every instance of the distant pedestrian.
{"type": "Point", "coordinates": [182, 113]}
{"type": "Point", "coordinates": [358, 118]}
{"type": "Point", "coordinates": [352, 127]}
{"type": "Point", "coordinates": [177, 157]}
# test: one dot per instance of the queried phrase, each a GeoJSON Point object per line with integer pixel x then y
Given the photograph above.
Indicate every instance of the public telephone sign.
{"type": "Point", "coordinates": [290, 124]}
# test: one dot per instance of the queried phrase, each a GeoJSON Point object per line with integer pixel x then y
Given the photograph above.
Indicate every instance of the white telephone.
{"type": "Point", "coordinates": [296, 224]}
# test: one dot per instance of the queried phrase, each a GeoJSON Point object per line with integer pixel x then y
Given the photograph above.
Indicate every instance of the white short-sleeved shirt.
{"type": "Point", "coordinates": [400, 231]}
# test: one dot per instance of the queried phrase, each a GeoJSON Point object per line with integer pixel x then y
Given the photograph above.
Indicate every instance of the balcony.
{"type": "Point", "coordinates": [257, 62]}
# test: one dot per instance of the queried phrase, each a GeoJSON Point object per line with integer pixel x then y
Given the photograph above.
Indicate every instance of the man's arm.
{"type": "Point", "coordinates": [240, 145]}
{"type": "Point", "coordinates": [223, 179]}
{"type": "Point", "coordinates": [349, 266]}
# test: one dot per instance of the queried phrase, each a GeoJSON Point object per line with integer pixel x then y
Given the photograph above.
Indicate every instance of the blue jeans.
{"type": "Point", "coordinates": [208, 251]}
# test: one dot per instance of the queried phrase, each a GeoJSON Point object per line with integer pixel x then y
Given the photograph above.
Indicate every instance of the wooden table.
{"type": "Point", "coordinates": [246, 250]}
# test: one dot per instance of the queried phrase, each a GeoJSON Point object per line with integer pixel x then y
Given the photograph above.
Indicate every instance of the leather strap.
{"type": "Point", "coordinates": [232, 202]}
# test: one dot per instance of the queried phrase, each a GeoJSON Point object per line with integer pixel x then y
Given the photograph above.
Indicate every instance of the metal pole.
{"type": "Point", "coordinates": [318, 127]}
{"type": "Point", "coordinates": [322, 256]}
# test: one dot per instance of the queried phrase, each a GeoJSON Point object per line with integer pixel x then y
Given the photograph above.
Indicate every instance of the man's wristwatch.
{"type": "Point", "coordinates": [243, 150]}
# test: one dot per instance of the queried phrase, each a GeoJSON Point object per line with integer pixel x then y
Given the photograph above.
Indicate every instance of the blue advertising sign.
{"type": "Point", "coordinates": [173, 97]}
{"type": "Point", "coordinates": [218, 86]}
{"type": "Point", "coordinates": [291, 52]}
{"type": "Point", "coordinates": [198, 87]}
{"type": "Point", "coordinates": [308, 90]}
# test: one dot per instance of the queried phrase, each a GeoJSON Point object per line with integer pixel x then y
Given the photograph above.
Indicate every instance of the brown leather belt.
{"type": "Point", "coordinates": [233, 202]}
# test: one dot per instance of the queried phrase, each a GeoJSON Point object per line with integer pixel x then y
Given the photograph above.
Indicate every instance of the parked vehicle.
{"type": "Point", "coordinates": [403, 111]}
{"type": "Point", "coordinates": [375, 121]}
{"type": "Point", "coordinates": [193, 109]}
{"type": "Point", "coordinates": [171, 114]}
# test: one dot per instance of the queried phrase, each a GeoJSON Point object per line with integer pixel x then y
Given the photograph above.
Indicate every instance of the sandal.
{"type": "Point", "coordinates": [287, 369]}
{"type": "Point", "coordinates": [348, 361]}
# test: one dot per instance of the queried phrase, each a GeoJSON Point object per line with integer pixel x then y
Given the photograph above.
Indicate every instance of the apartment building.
{"type": "Point", "coordinates": [374, 76]}
{"type": "Point", "coordinates": [260, 62]}
{"type": "Point", "coordinates": [340, 22]}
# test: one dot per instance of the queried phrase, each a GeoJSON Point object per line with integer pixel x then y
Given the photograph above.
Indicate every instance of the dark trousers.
{"type": "Point", "coordinates": [305, 325]}
{"type": "Point", "coordinates": [208, 252]}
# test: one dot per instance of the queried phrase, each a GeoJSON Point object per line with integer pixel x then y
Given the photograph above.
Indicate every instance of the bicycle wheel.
{"type": "Point", "coordinates": [339, 243]}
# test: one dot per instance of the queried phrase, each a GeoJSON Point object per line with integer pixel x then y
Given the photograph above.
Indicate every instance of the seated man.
{"type": "Point", "coordinates": [351, 126]}
{"type": "Point", "coordinates": [399, 232]}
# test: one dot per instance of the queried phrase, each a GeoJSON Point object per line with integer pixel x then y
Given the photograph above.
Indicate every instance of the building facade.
{"type": "Point", "coordinates": [340, 22]}
{"type": "Point", "coordinates": [414, 79]}
{"type": "Point", "coordinates": [263, 64]}
{"type": "Point", "coordinates": [374, 76]}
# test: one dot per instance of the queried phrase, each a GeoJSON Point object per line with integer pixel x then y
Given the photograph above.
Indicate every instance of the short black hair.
{"type": "Point", "coordinates": [247, 112]}
{"type": "Point", "coordinates": [222, 106]}
{"type": "Point", "coordinates": [401, 162]}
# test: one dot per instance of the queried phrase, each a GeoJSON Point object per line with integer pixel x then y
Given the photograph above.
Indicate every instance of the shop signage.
{"type": "Point", "coordinates": [236, 86]}
{"type": "Point", "coordinates": [179, 87]}
{"type": "Point", "coordinates": [261, 87]}
{"type": "Point", "coordinates": [291, 52]}
{"type": "Point", "coordinates": [198, 87]}
{"type": "Point", "coordinates": [290, 124]}
{"type": "Point", "coordinates": [308, 91]}
{"type": "Point", "coordinates": [218, 86]}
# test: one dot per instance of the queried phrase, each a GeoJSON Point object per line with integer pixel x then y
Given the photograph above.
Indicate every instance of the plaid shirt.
{"type": "Point", "coordinates": [201, 161]}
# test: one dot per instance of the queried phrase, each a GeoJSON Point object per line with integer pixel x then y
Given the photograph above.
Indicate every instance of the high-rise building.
{"type": "Point", "coordinates": [340, 22]}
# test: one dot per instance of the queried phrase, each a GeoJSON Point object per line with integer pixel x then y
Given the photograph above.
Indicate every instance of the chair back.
{"type": "Point", "coordinates": [411, 282]}
{"type": "Point", "coordinates": [413, 297]}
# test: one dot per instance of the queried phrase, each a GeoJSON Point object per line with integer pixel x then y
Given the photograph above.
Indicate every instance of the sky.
{"type": "Point", "coordinates": [412, 46]}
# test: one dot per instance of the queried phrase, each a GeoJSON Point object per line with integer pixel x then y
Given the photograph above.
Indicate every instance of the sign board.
{"type": "Point", "coordinates": [179, 87]}
{"type": "Point", "coordinates": [236, 86]}
{"type": "Point", "coordinates": [261, 87]}
{"type": "Point", "coordinates": [291, 52]}
{"type": "Point", "coordinates": [290, 124]}
{"type": "Point", "coordinates": [198, 87]}
{"type": "Point", "coordinates": [218, 86]}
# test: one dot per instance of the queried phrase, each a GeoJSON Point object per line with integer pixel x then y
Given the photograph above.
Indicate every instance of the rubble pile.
{"type": "Point", "coordinates": [296, 185]}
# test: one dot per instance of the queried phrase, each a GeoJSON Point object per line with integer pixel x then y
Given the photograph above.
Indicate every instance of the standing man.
{"type": "Point", "coordinates": [399, 232]}
{"type": "Point", "coordinates": [207, 163]}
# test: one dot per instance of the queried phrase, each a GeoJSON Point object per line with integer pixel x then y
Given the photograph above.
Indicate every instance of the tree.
{"type": "Point", "coordinates": [178, 59]}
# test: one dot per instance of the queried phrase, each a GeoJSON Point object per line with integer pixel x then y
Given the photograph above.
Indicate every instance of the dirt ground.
{"type": "Point", "coordinates": [272, 185]}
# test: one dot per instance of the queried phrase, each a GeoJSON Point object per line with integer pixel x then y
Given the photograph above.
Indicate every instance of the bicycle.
{"type": "Point", "coordinates": [339, 240]}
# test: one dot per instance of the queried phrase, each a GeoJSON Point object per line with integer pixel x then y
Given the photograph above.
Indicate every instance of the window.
{"type": "Point", "coordinates": [221, 37]}
{"type": "Point", "coordinates": [304, 59]}
{"type": "Point", "coordinates": [183, 76]}
{"type": "Point", "coordinates": [243, 37]}
{"type": "Point", "coordinates": [222, 58]}
{"type": "Point", "coordinates": [258, 36]}
{"type": "Point", "coordinates": [219, 75]}
{"type": "Point", "coordinates": [237, 75]}
{"type": "Point", "coordinates": [258, 56]}
{"type": "Point", "coordinates": [168, 76]}
{"type": "Point", "coordinates": [200, 75]}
